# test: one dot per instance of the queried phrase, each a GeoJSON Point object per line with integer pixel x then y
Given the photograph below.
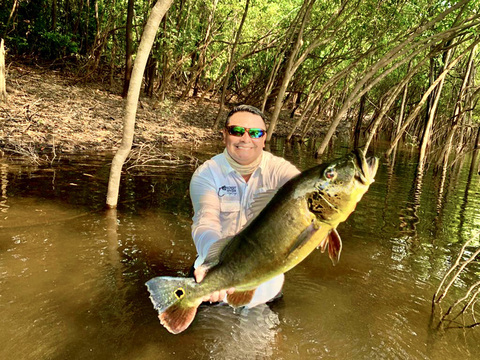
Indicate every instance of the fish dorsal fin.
{"type": "Point", "coordinates": [260, 201]}
{"type": "Point", "coordinates": [214, 253]}
{"type": "Point", "coordinates": [334, 244]}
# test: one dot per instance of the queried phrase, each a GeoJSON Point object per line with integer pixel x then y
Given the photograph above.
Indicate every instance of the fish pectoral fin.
{"type": "Point", "coordinates": [240, 298]}
{"type": "Point", "coordinates": [334, 246]}
{"type": "Point", "coordinates": [304, 237]}
{"type": "Point", "coordinates": [323, 244]}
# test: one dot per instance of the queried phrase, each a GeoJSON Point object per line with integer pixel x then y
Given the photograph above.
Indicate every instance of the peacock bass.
{"type": "Point", "coordinates": [301, 216]}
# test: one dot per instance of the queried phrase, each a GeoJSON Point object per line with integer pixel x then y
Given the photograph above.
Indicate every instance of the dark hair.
{"type": "Point", "coordinates": [246, 108]}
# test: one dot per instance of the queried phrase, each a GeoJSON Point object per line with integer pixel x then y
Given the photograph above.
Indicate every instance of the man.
{"type": "Point", "coordinates": [223, 189]}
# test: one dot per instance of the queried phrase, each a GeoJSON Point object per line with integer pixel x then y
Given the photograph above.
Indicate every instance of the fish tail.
{"type": "Point", "coordinates": [169, 297]}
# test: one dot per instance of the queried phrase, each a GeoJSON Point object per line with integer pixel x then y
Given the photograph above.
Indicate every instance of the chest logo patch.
{"type": "Point", "coordinates": [227, 190]}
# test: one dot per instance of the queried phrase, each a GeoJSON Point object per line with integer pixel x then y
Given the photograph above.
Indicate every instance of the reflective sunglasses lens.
{"type": "Point", "coordinates": [236, 130]}
{"type": "Point", "coordinates": [256, 133]}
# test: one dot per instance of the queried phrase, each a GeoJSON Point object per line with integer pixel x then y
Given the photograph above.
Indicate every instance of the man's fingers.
{"type": "Point", "coordinates": [199, 274]}
{"type": "Point", "coordinates": [217, 296]}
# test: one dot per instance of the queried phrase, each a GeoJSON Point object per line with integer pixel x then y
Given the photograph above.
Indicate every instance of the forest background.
{"type": "Point", "coordinates": [391, 70]}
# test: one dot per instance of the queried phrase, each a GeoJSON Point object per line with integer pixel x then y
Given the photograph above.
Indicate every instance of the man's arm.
{"type": "Point", "coordinates": [206, 227]}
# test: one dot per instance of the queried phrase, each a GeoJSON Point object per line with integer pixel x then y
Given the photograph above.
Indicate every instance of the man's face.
{"type": "Point", "coordinates": [244, 149]}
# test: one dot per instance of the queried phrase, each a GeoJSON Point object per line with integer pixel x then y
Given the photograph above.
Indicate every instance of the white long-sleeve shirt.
{"type": "Point", "coordinates": [222, 199]}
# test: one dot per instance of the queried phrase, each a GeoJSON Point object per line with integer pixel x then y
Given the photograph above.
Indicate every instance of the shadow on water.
{"type": "Point", "coordinates": [72, 274]}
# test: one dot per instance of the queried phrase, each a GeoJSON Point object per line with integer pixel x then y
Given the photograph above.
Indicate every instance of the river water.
{"type": "Point", "coordinates": [72, 275]}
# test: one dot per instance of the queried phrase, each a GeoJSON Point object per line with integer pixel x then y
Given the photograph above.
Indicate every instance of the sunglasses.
{"type": "Point", "coordinates": [235, 130]}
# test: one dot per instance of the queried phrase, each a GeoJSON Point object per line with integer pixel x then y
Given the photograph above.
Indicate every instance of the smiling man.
{"type": "Point", "coordinates": [223, 190]}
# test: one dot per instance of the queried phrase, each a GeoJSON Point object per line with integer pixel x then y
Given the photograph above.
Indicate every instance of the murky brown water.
{"type": "Point", "coordinates": [72, 275]}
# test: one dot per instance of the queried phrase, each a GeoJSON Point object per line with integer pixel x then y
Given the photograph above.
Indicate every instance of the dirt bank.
{"type": "Point", "coordinates": [47, 112]}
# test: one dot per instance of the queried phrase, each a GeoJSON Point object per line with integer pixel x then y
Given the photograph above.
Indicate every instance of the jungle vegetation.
{"type": "Point", "coordinates": [395, 69]}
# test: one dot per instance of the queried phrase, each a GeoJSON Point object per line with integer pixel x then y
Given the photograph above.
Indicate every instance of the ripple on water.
{"type": "Point", "coordinates": [239, 334]}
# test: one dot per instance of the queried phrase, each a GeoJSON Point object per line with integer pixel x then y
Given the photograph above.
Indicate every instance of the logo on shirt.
{"type": "Point", "coordinates": [227, 190]}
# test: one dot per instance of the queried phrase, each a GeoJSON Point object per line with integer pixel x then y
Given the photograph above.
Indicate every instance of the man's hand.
{"type": "Point", "coordinates": [216, 296]}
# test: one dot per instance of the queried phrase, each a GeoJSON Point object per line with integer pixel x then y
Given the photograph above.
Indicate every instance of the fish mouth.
{"type": "Point", "coordinates": [367, 167]}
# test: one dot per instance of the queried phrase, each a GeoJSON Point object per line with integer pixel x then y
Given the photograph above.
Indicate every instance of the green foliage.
{"type": "Point", "coordinates": [196, 38]}
{"type": "Point", "coordinates": [53, 45]}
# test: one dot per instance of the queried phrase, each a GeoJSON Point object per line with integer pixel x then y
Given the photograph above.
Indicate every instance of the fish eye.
{"type": "Point", "coordinates": [330, 173]}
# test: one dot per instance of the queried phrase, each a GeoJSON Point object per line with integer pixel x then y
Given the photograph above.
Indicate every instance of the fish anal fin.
{"type": "Point", "coordinates": [334, 246]}
{"type": "Point", "coordinates": [177, 317]}
{"type": "Point", "coordinates": [240, 298]}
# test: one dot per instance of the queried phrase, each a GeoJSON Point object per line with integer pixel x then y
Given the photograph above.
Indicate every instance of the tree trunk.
{"type": "Point", "coordinates": [388, 103]}
{"type": "Point", "coordinates": [10, 17]}
{"type": "Point", "coordinates": [230, 65]}
{"type": "Point", "coordinates": [402, 108]}
{"type": "Point", "coordinates": [3, 89]}
{"type": "Point", "coordinates": [87, 18]}
{"type": "Point", "coordinates": [196, 70]}
{"type": "Point", "coordinates": [457, 115]}
{"type": "Point", "coordinates": [309, 102]}
{"type": "Point", "coordinates": [128, 48]}
{"type": "Point", "coordinates": [477, 139]}
{"type": "Point", "coordinates": [156, 15]}
{"type": "Point", "coordinates": [431, 117]}
{"type": "Point", "coordinates": [358, 125]}
{"type": "Point", "coordinates": [296, 59]}
{"type": "Point", "coordinates": [54, 15]}
{"type": "Point", "coordinates": [112, 59]}
{"type": "Point", "coordinates": [417, 109]}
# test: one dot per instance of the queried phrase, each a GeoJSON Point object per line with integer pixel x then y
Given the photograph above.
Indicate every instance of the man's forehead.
{"type": "Point", "coordinates": [245, 116]}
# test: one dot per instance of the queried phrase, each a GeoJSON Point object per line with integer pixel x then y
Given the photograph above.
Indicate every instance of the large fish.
{"type": "Point", "coordinates": [301, 216]}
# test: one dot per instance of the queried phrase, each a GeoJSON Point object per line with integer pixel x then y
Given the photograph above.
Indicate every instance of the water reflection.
{"type": "Point", "coordinates": [72, 275]}
{"type": "Point", "coordinates": [246, 334]}
{"type": "Point", "coordinates": [4, 185]}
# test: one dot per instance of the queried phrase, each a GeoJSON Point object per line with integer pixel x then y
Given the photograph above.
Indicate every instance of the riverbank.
{"type": "Point", "coordinates": [48, 113]}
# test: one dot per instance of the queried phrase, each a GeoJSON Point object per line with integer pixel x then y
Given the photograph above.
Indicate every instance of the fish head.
{"type": "Point", "coordinates": [337, 187]}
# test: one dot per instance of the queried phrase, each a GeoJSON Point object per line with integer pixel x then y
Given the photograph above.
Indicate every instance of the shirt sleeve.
{"type": "Point", "coordinates": [206, 227]}
{"type": "Point", "coordinates": [284, 171]}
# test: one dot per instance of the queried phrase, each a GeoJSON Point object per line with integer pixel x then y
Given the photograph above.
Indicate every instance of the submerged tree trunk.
{"type": "Point", "coordinates": [358, 124]}
{"type": "Point", "coordinates": [156, 15]}
{"type": "Point", "coordinates": [402, 112]}
{"type": "Point", "coordinates": [457, 114]}
{"type": "Point", "coordinates": [431, 117]}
